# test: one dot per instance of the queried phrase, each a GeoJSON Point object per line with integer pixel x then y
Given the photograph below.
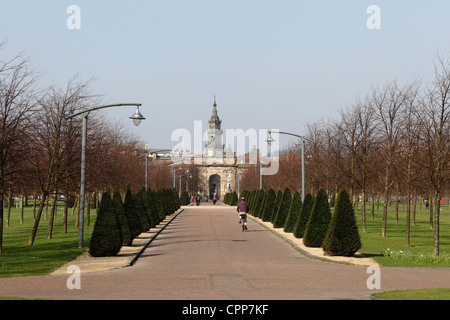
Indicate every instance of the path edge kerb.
{"type": "Point", "coordinates": [280, 233]}
{"type": "Point", "coordinates": [127, 256]}
{"type": "Point", "coordinates": [293, 245]}
{"type": "Point", "coordinates": [145, 246]}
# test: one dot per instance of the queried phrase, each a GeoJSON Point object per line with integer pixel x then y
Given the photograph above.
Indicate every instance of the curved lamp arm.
{"type": "Point", "coordinates": [136, 115]}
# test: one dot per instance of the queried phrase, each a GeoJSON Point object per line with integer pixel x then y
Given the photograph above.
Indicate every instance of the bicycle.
{"type": "Point", "coordinates": [243, 221]}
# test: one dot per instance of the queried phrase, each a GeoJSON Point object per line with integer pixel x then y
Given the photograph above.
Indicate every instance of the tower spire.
{"type": "Point", "coordinates": [215, 116]}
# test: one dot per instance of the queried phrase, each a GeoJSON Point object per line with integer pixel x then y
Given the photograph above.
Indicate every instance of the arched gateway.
{"type": "Point", "coordinates": [218, 175]}
{"type": "Point", "coordinates": [214, 186]}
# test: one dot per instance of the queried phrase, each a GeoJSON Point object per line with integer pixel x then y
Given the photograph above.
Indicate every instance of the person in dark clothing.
{"type": "Point", "coordinates": [242, 209]}
{"type": "Point", "coordinates": [198, 199]}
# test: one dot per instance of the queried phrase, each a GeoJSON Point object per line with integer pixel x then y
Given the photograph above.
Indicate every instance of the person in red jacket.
{"type": "Point", "coordinates": [242, 209]}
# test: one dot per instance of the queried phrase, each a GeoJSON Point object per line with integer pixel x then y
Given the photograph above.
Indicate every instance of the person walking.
{"type": "Point", "coordinates": [242, 209]}
{"type": "Point", "coordinates": [198, 199]}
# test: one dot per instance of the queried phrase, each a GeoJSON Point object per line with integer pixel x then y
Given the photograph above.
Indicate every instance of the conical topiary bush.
{"type": "Point", "coordinates": [342, 238]}
{"type": "Point", "coordinates": [106, 239]}
{"type": "Point", "coordinates": [151, 196]}
{"type": "Point", "coordinates": [141, 211]}
{"type": "Point", "coordinates": [270, 203]}
{"type": "Point", "coordinates": [176, 200]}
{"type": "Point", "coordinates": [234, 199]}
{"type": "Point", "coordinates": [283, 211]}
{"type": "Point", "coordinates": [302, 219]}
{"type": "Point", "coordinates": [258, 203]}
{"type": "Point", "coordinates": [318, 221]}
{"type": "Point", "coordinates": [148, 211]}
{"type": "Point", "coordinates": [251, 202]}
{"type": "Point", "coordinates": [294, 212]}
{"type": "Point", "coordinates": [185, 200]}
{"type": "Point", "coordinates": [263, 205]}
{"type": "Point", "coordinates": [123, 221]}
{"type": "Point", "coordinates": [276, 205]}
{"type": "Point", "coordinates": [159, 199]}
{"type": "Point", "coordinates": [134, 221]}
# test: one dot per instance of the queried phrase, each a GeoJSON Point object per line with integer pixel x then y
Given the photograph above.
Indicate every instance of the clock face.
{"type": "Point", "coordinates": [210, 153]}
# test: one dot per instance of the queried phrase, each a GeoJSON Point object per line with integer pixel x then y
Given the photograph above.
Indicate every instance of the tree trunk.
{"type": "Point", "coordinates": [431, 211]}
{"type": "Point", "coordinates": [363, 210]}
{"type": "Point", "coordinates": [38, 218]}
{"type": "Point", "coordinates": [397, 196]}
{"type": "Point", "coordinates": [88, 209]}
{"type": "Point", "coordinates": [436, 224]}
{"type": "Point", "coordinates": [408, 222]}
{"type": "Point", "coordinates": [1, 223]}
{"type": "Point", "coordinates": [386, 203]}
{"type": "Point", "coordinates": [46, 209]}
{"type": "Point", "coordinates": [52, 216]}
{"type": "Point", "coordinates": [34, 207]}
{"type": "Point", "coordinates": [66, 211]}
{"type": "Point", "coordinates": [21, 208]}
{"type": "Point", "coordinates": [10, 203]}
{"type": "Point", "coordinates": [373, 206]}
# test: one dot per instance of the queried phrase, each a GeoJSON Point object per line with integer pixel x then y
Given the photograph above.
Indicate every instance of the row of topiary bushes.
{"type": "Point", "coordinates": [311, 219]}
{"type": "Point", "coordinates": [231, 198]}
{"type": "Point", "coordinates": [185, 199]}
{"type": "Point", "coordinates": [119, 222]}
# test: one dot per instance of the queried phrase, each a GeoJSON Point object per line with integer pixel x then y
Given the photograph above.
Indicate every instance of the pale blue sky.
{"type": "Point", "coordinates": [272, 64]}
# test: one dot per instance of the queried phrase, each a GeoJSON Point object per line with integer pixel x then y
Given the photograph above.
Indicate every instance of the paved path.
{"type": "Point", "coordinates": [203, 254]}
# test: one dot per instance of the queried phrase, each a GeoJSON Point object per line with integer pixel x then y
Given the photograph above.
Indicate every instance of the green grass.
{"type": "Point", "coordinates": [425, 294]}
{"type": "Point", "coordinates": [391, 251]}
{"type": "Point", "coordinates": [20, 259]}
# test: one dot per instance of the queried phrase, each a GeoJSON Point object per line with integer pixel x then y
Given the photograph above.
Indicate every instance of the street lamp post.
{"type": "Point", "coordinates": [146, 155]}
{"type": "Point", "coordinates": [146, 168]}
{"type": "Point", "coordinates": [239, 184]}
{"type": "Point", "coordinates": [270, 140]}
{"type": "Point", "coordinates": [174, 174]}
{"type": "Point", "coordinates": [260, 175]}
{"type": "Point", "coordinates": [136, 117]}
{"type": "Point", "coordinates": [179, 187]}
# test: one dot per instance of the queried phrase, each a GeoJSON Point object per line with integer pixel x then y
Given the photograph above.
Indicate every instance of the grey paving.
{"type": "Point", "coordinates": [203, 255]}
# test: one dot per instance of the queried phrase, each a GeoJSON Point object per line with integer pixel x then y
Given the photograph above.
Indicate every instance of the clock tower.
{"type": "Point", "coordinates": [214, 148]}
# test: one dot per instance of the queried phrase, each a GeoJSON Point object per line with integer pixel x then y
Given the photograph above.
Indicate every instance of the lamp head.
{"type": "Point", "coordinates": [270, 140]}
{"type": "Point", "coordinates": [137, 117]}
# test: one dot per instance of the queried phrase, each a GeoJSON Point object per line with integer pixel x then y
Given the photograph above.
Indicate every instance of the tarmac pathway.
{"type": "Point", "coordinates": [202, 254]}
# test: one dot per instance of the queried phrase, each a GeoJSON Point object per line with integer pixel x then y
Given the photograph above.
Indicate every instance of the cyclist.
{"type": "Point", "coordinates": [242, 209]}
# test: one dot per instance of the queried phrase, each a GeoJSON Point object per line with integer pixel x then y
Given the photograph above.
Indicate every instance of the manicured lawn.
{"type": "Point", "coordinates": [425, 294]}
{"type": "Point", "coordinates": [391, 250]}
{"type": "Point", "coordinates": [20, 259]}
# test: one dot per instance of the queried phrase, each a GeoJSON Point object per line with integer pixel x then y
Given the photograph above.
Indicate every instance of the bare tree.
{"type": "Point", "coordinates": [388, 103]}
{"type": "Point", "coordinates": [348, 126]}
{"type": "Point", "coordinates": [434, 118]}
{"type": "Point", "coordinates": [410, 147]}
{"type": "Point", "coordinates": [365, 146]}
{"type": "Point", "coordinates": [50, 143]}
{"type": "Point", "coordinates": [337, 155]}
{"type": "Point", "coordinates": [17, 89]}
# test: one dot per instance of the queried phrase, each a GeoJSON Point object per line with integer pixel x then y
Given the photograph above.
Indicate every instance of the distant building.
{"type": "Point", "coordinates": [219, 170]}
